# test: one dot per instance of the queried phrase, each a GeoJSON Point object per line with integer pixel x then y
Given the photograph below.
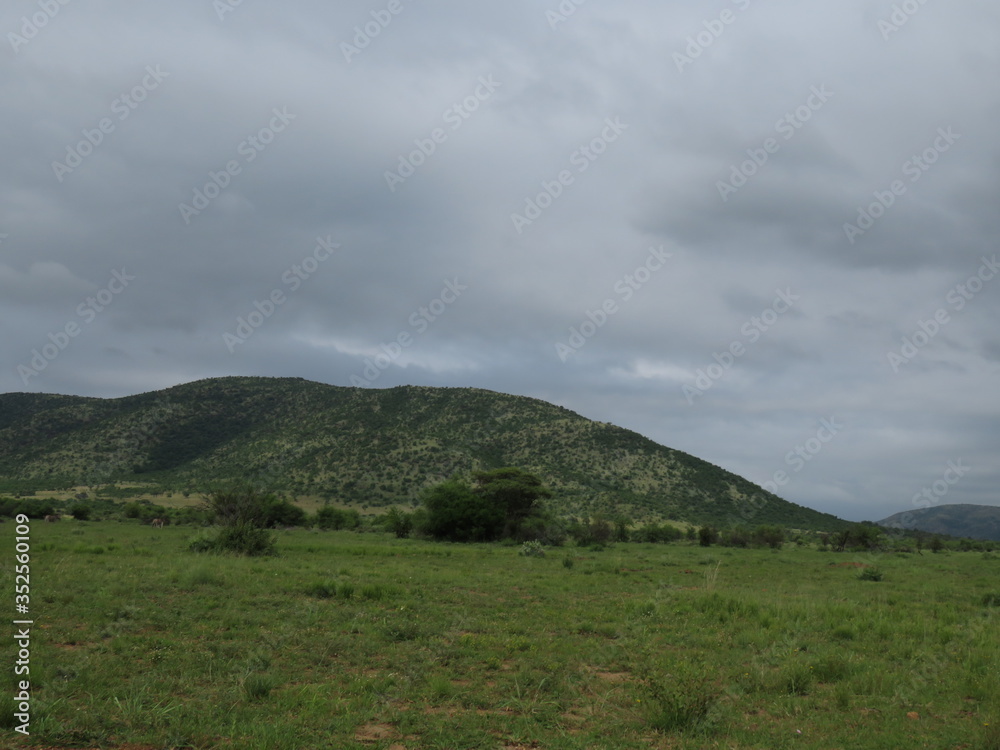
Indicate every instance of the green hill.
{"type": "Point", "coordinates": [959, 520]}
{"type": "Point", "coordinates": [366, 446]}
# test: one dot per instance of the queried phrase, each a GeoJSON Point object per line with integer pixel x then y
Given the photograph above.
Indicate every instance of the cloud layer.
{"type": "Point", "coordinates": [717, 225]}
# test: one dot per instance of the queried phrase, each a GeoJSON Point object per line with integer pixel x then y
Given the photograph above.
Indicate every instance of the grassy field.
{"type": "Point", "coordinates": [362, 641]}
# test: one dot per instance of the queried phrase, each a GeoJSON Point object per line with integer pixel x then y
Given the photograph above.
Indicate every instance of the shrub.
{"type": "Point", "coordinates": [278, 513]}
{"type": "Point", "coordinates": [9, 506]}
{"type": "Point", "coordinates": [457, 514]}
{"type": "Point", "coordinates": [707, 536]}
{"type": "Point", "coordinates": [400, 524]}
{"type": "Point", "coordinates": [542, 527]}
{"type": "Point", "coordinates": [35, 509]}
{"type": "Point", "coordinates": [678, 702]}
{"type": "Point", "coordinates": [80, 511]}
{"type": "Point", "coordinates": [246, 540]}
{"type": "Point", "coordinates": [532, 549]}
{"type": "Point", "coordinates": [870, 574]}
{"type": "Point", "coordinates": [499, 505]}
{"type": "Point", "coordinates": [769, 536]}
{"type": "Point", "coordinates": [737, 537]}
{"type": "Point", "coordinates": [242, 505]}
{"type": "Point", "coordinates": [190, 515]}
{"type": "Point", "coordinates": [657, 534]}
{"type": "Point", "coordinates": [336, 519]}
{"type": "Point", "coordinates": [241, 539]}
{"type": "Point", "coordinates": [514, 491]}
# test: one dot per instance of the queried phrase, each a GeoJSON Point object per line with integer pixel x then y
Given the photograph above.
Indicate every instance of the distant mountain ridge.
{"type": "Point", "coordinates": [367, 446]}
{"type": "Point", "coordinates": [959, 519]}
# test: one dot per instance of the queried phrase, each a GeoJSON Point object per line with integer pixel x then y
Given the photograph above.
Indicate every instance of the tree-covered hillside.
{"type": "Point", "coordinates": [959, 520]}
{"type": "Point", "coordinates": [375, 447]}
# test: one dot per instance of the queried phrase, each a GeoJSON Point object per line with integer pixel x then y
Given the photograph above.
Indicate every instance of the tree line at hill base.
{"type": "Point", "coordinates": [499, 505]}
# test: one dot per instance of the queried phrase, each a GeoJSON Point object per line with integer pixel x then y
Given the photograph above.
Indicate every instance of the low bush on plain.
{"type": "Point", "coordinates": [678, 700]}
{"type": "Point", "coordinates": [871, 574]}
{"type": "Point", "coordinates": [242, 539]}
{"type": "Point", "coordinates": [532, 549]}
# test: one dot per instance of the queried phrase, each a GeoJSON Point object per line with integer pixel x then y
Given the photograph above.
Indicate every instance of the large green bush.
{"type": "Point", "coordinates": [80, 511]}
{"type": "Point", "coordinates": [241, 539]}
{"type": "Point", "coordinates": [245, 515]}
{"type": "Point", "coordinates": [330, 518]}
{"type": "Point", "coordinates": [455, 513]}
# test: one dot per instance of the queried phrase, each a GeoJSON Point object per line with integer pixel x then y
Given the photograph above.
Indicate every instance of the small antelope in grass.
{"type": "Point", "coordinates": [53, 519]}
{"type": "Point", "coordinates": [157, 523]}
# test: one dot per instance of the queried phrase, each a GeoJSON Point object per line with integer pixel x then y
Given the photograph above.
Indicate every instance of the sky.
{"type": "Point", "coordinates": [762, 233]}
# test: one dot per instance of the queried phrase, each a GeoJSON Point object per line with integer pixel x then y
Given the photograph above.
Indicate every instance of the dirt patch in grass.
{"type": "Point", "coordinates": [69, 645]}
{"type": "Point", "coordinates": [373, 733]}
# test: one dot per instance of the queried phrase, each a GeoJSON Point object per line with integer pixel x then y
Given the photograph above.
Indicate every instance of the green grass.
{"type": "Point", "coordinates": [364, 641]}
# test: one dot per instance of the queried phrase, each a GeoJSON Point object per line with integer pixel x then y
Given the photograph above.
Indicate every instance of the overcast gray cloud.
{"type": "Point", "coordinates": [763, 233]}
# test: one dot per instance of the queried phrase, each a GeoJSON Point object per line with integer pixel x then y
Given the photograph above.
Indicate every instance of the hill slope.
{"type": "Point", "coordinates": [366, 446]}
{"type": "Point", "coordinates": [961, 520]}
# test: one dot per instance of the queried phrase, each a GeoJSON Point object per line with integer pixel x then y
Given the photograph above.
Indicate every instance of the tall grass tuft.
{"type": "Point", "coordinates": [257, 687]}
{"type": "Point", "coordinates": [678, 701]}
